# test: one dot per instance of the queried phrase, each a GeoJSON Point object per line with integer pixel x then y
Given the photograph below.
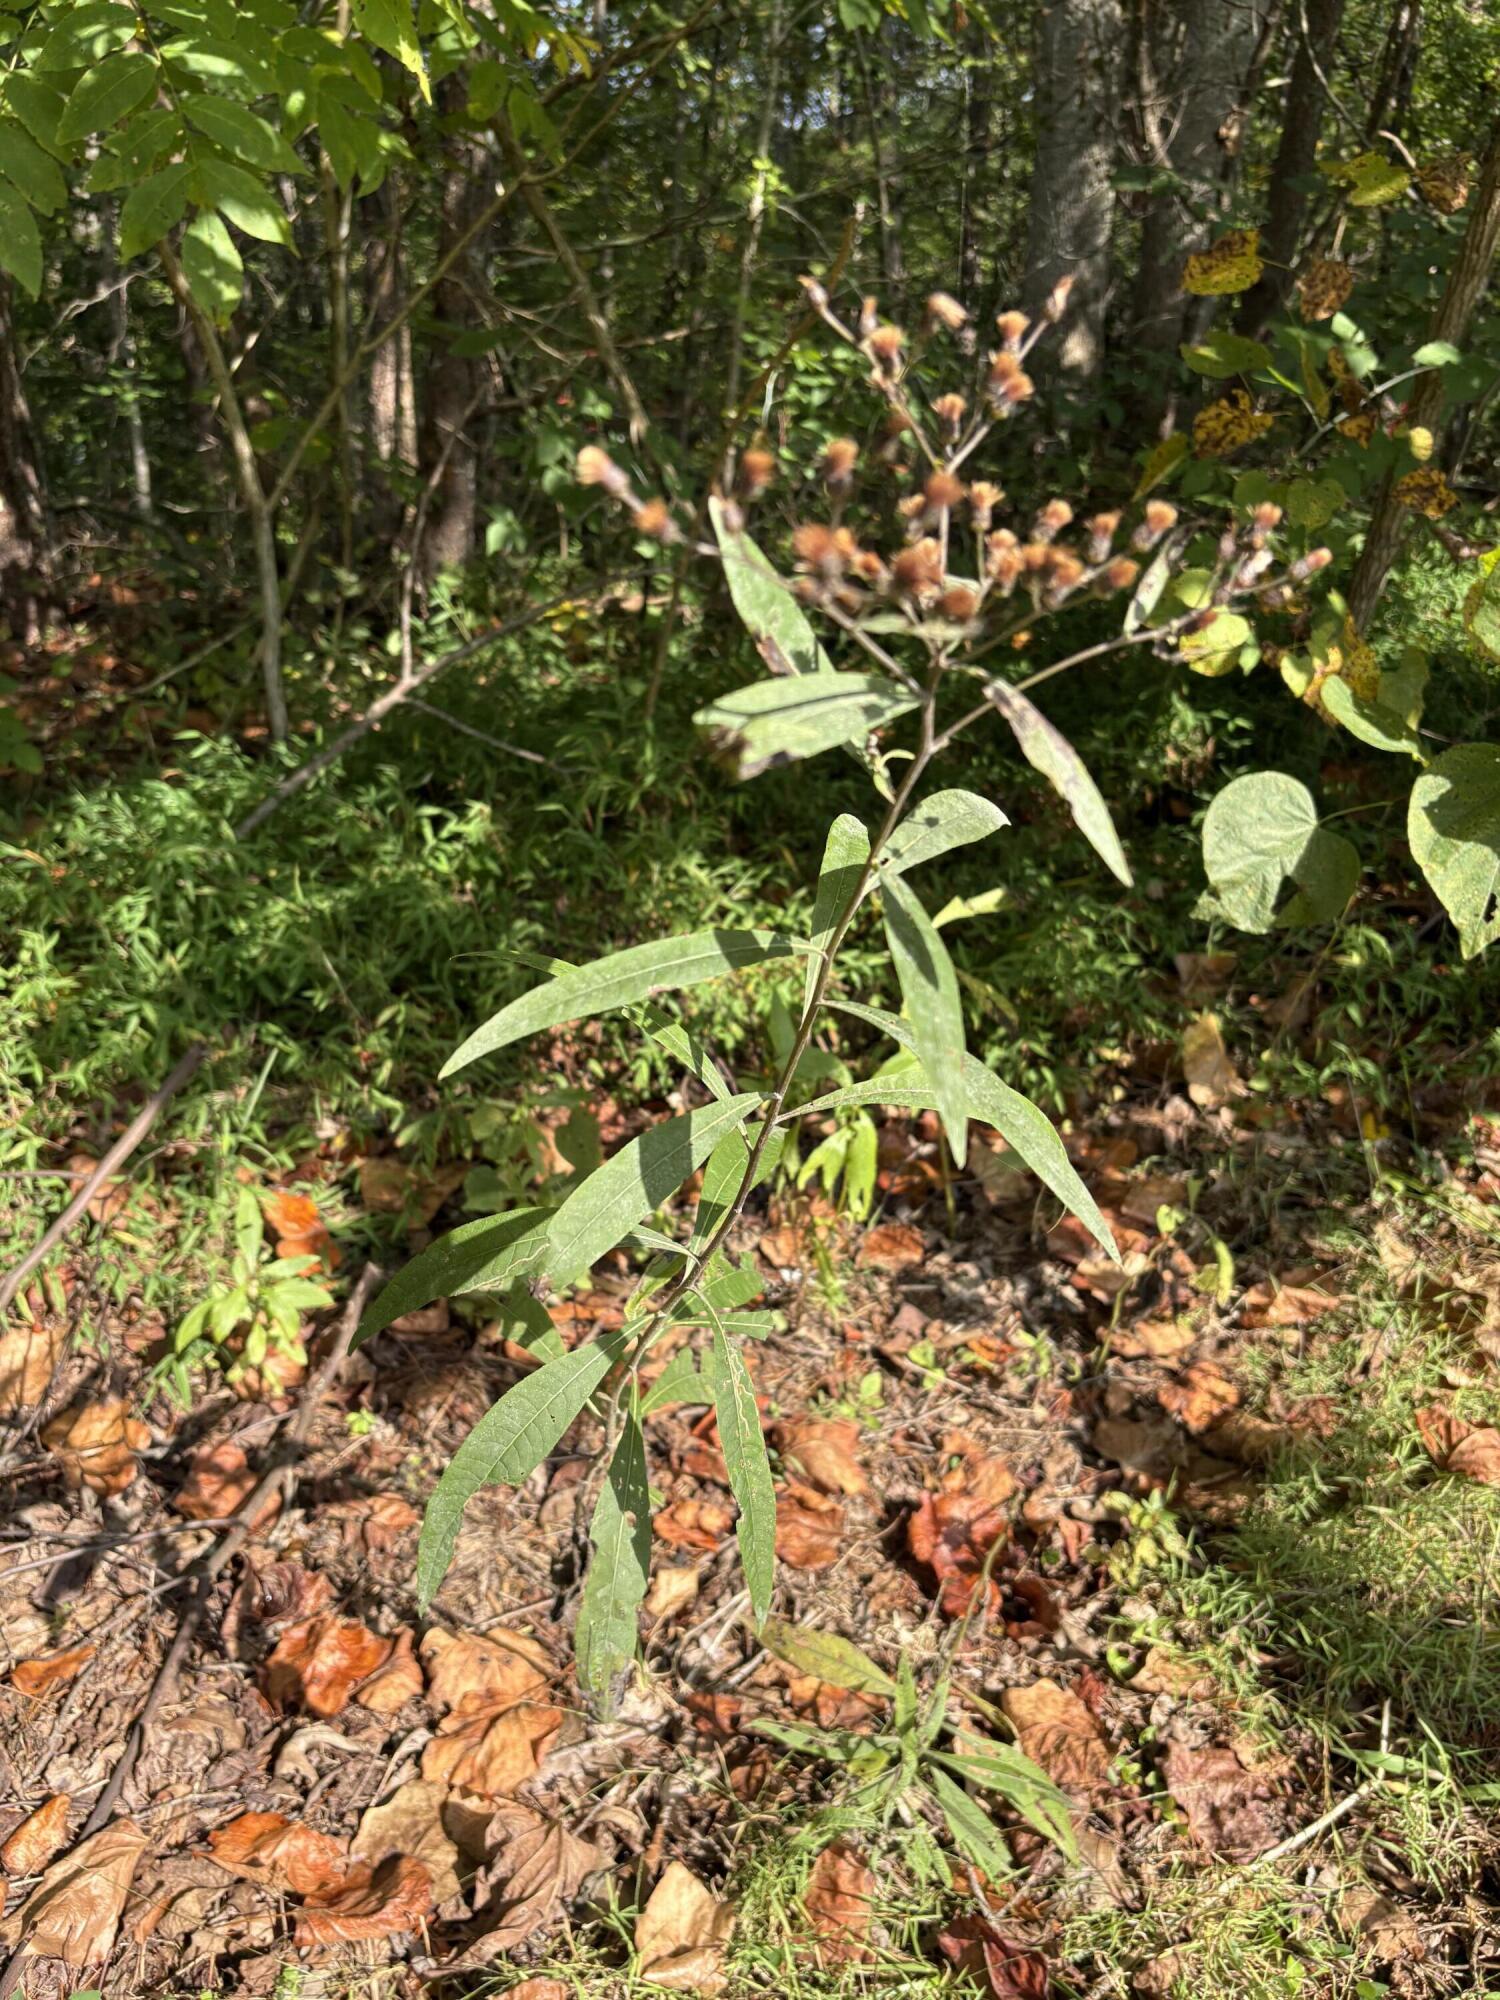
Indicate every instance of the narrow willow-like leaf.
{"type": "Point", "coordinates": [526, 1321]}
{"type": "Point", "coordinates": [1018, 1121]}
{"type": "Point", "coordinates": [929, 986]}
{"type": "Point", "coordinates": [509, 1441]}
{"type": "Point", "coordinates": [771, 723]}
{"type": "Point", "coordinates": [744, 1448]}
{"type": "Point", "coordinates": [679, 1382]}
{"type": "Point", "coordinates": [1024, 1786]}
{"type": "Point", "coordinates": [633, 1182]}
{"type": "Point", "coordinates": [605, 1638]}
{"type": "Point", "coordinates": [664, 965]}
{"type": "Point", "coordinates": [1047, 750]}
{"type": "Point", "coordinates": [944, 821]}
{"type": "Point", "coordinates": [721, 1183]}
{"type": "Point", "coordinates": [975, 1834]}
{"type": "Point", "coordinates": [837, 1661]}
{"type": "Point", "coordinates": [844, 857]}
{"type": "Point", "coordinates": [769, 612]}
{"type": "Point", "coordinates": [483, 1256]}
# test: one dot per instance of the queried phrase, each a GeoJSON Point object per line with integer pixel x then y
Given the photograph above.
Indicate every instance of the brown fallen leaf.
{"type": "Point", "coordinates": [319, 1662]}
{"type": "Point", "coordinates": [109, 1198]}
{"type": "Point", "coordinates": [73, 1913]}
{"type": "Point", "coordinates": [33, 1843]}
{"type": "Point", "coordinates": [29, 1352]}
{"type": "Point", "coordinates": [45, 1676]}
{"type": "Point", "coordinates": [411, 1822]}
{"type": "Point", "coordinates": [1142, 1199]}
{"type": "Point", "coordinates": [540, 1989]}
{"type": "Point", "coordinates": [1152, 1339]}
{"type": "Point", "coordinates": [809, 1526]}
{"type": "Point", "coordinates": [299, 1229]}
{"type": "Point", "coordinates": [220, 1479]}
{"type": "Point", "coordinates": [1212, 1078]}
{"type": "Point", "coordinates": [384, 1520]}
{"type": "Point", "coordinates": [1228, 1808]}
{"type": "Point", "coordinates": [891, 1246]}
{"type": "Point", "coordinates": [1002, 1967]}
{"type": "Point", "coordinates": [953, 1534]}
{"type": "Point", "coordinates": [1202, 974]}
{"type": "Point", "coordinates": [1164, 1672]}
{"type": "Point", "coordinates": [824, 1453]}
{"type": "Point", "coordinates": [1055, 1730]}
{"type": "Point", "coordinates": [397, 1682]}
{"type": "Point", "coordinates": [681, 1933]}
{"type": "Point", "coordinates": [97, 1444]}
{"type": "Point", "coordinates": [378, 1902]}
{"type": "Point", "coordinates": [1381, 1924]}
{"type": "Point", "coordinates": [672, 1590]}
{"type": "Point", "coordinates": [281, 1854]}
{"type": "Point", "coordinates": [493, 1755]}
{"type": "Point", "coordinates": [472, 1672]}
{"type": "Point", "coordinates": [1292, 1304]}
{"type": "Point", "coordinates": [692, 1524]}
{"type": "Point", "coordinates": [537, 1867]}
{"type": "Point", "coordinates": [1200, 1396]}
{"type": "Point", "coordinates": [839, 1901]}
{"type": "Point", "coordinates": [1459, 1447]}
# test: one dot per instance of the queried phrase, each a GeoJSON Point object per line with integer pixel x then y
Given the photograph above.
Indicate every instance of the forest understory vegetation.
{"type": "Point", "coordinates": [749, 1099]}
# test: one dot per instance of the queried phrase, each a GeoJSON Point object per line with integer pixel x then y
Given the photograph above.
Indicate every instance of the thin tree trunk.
{"type": "Point", "coordinates": [23, 508]}
{"type": "Point", "coordinates": [892, 262]}
{"type": "Point", "coordinates": [1316, 25]}
{"type": "Point", "coordinates": [979, 105]}
{"type": "Point", "coordinates": [252, 493]}
{"type": "Point", "coordinates": [1398, 64]}
{"type": "Point", "coordinates": [392, 405]}
{"type": "Point", "coordinates": [1078, 73]}
{"type": "Point", "coordinates": [337, 212]}
{"type": "Point", "coordinates": [122, 355]}
{"type": "Point", "coordinates": [1465, 287]}
{"type": "Point", "coordinates": [753, 224]}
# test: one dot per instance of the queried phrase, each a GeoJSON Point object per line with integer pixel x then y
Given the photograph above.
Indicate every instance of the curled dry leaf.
{"type": "Point", "coordinates": [891, 1246]}
{"type": "Point", "coordinates": [29, 1352]}
{"type": "Point", "coordinates": [34, 1842]}
{"type": "Point", "coordinates": [1298, 1302]}
{"type": "Point", "coordinates": [681, 1933]}
{"type": "Point", "coordinates": [1212, 1078]}
{"type": "Point", "coordinates": [1000, 1966]}
{"type": "Point", "coordinates": [1228, 1808]}
{"type": "Point", "coordinates": [491, 1754]}
{"type": "Point", "coordinates": [1459, 1447]}
{"type": "Point", "coordinates": [952, 1534]}
{"type": "Point", "coordinates": [97, 1444]}
{"type": "Point", "coordinates": [693, 1524]}
{"type": "Point", "coordinates": [537, 1867]}
{"type": "Point", "coordinates": [220, 1479]}
{"type": "Point", "coordinates": [1055, 1730]}
{"type": "Point", "coordinates": [411, 1822]}
{"type": "Point", "coordinates": [672, 1590]}
{"type": "Point", "coordinates": [319, 1662]}
{"type": "Point", "coordinates": [111, 1195]}
{"type": "Point", "coordinates": [73, 1913]}
{"type": "Point", "coordinates": [299, 1229]}
{"type": "Point", "coordinates": [279, 1853]}
{"type": "Point", "coordinates": [393, 1685]}
{"type": "Point", "coordinates": [385, 1519]}
{"type": "Point", "coordinates": [470, 1673]}
{"type": "Point", "coordinates": [809, 1526]}
{"type": "Point", "coordinates": [284, 1592]}
{"type": "Point", "coordinates": [1200, 1397]}
{"type": "Point", "coordinates": [839, 1901]}
{"type": "Point", "coordinates": [41, 1677]}
{"type": "Point", "coordinates": [378, 1902]}
{"type": "Point", "coordinates": [824, 1453]}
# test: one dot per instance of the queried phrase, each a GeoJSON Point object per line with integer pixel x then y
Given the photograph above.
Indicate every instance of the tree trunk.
{"type": "Point", "coordinates": [23, 511]}
{"type": "Point", "coordinates": [1317, 32]}
{"type": "Point", "coordinates": [393, 408]}
{"type": "Point", "coordinates": [1465, 287]}
{"type": "Point", "coordinates": [1195, 62]}
{"type": "Point", "coordinates": [1078, 74]}
{"type": "Point", "coordinates": [979, 105]}
{"type": "Point", "coordinates": [446, 454]}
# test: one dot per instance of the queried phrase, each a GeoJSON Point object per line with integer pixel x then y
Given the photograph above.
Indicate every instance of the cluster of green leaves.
{"type": "Point", "coordinates": [255, 1319]}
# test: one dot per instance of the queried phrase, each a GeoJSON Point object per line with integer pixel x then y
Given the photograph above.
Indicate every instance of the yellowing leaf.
{"type": "Point", "coordinates": [1232, 264]}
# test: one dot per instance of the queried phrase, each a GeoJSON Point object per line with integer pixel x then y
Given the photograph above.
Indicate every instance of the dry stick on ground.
{"type": "Point", "coordinates": [117, 1155]}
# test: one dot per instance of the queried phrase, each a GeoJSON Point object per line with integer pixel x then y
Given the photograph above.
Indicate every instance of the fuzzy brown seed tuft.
{"type": "Point", "coordinates": [949, 411]}
{"type": "Point", "coordinates": [595, 467]}
{"type": "Point", "coordinates": [840, 456]}
{"type": "Point", "coordinates": [919, 570]}
{"type": "Point", "coordinates": [944, 310]}
{"type": "Point", "coordinates": [944, 491]}
{"type": "Point", "coordinates": [757, 470]}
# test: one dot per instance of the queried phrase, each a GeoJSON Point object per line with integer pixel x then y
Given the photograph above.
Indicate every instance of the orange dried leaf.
{"type": "Point", "coordinates": [1055, 1730]}
{"type": "Point", "coordinates": [34, 1842]}
{"type": "Point", "coordinates": [73, 1913]}
{"type": "Point", "coordinates": [220, 1479]}
{"type": "Point", "coordinates": [839, 1901]}
{"type": "Point", "coordinates": [97, 1444]}
{"type": "Point", "coordinates": [493, 1755]}
{"type": "Point", "coordinates": [470, 1672]}
{"type": "Point", "coordinates": [393, 1685]}
{"type": "Point", "coordinates": [385, 1901]}
{"type": "Point", "coordinates": [318, 1664]}
{"type": "Point", "coordinates": [824, 1452]}
{"type": "Point", "coordinates": [282, 1854]}
{"type": "Point", "coordinates": [893, 1246]}
{"type": "Point", "coordinates": [45, 1676]}
{"type": "Point", "coordinates": [29, 1352]}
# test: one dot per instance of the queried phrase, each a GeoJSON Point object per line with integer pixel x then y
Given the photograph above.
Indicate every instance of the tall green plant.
{"type": "Point", "coordinates": [932, 617]}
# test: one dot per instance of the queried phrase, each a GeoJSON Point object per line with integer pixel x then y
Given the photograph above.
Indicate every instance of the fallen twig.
{"type": "Point", "coordinates": [117, 1155]}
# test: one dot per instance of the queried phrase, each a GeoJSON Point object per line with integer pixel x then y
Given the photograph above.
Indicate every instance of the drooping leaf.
{"type": "Point", "coordinates": [1015, 1118]}
{"type": "Point", "coordinates": [108, 92]}
{"type": "Point", "coordinates": [771, 723]}
{"type": "Point", "coordinates": [240, 198]}
{"type": "Point", "coordinates": [153, 208]}
{"type": "Point", "coordinates": [624, 977]}
{"type": "Point", "coordinates": [722, 1177]}
{"type": "Point", "coordinates": [526, 1321]}
{"type": "Point", "coordinates": [510, 1440]}
{"type": "Point", "coordinates": [635, 1181]}
{"type": "Point", "coordinates": [1453, 824]}
{"type": "Point", "coordinates": [844, 857]}
{"type": "Point", "coordinates": [1161, 461]}
{"type": "Point", "coordinates": [944, 821]}
{"type": "Point", "coordinates": [1374, 722]}
{"type": "Point", "coordinates": [212, 267]}
{"type": "Point", "coordinates": [744, 1447]}
{"type": "Point", "coordinates": [769, 612]}
{"type": "Point", "coordinates": [1024, 1785]}
{"type": "Point", "coordinates": [929, 987]}
{"type": "Point", "coordinates": [1261, 831]}
{"type": "Point", "coordinates": [679, 1382]}
{"type": "Point", "coordinates": [29, 169]}
{"type": "Point", "coordinates": [974, 1833]}
{"type": "Point", "coordinates": [1221, 354]}
{"type": "Point", "coordinates": [390, 25]}
{"type": "Point", "coordinates": [827, 1656]}
{"type": "Point", "coordinates": [1047, 750]}
{"type": "Point", "coordinates": [240, 132]}
{"type": "Point", "coordinates": [484, 1256]}
{"type": "Point", "coordinates": [20, 240]}
{"type": "Point", "coordinates": [620, 1570]}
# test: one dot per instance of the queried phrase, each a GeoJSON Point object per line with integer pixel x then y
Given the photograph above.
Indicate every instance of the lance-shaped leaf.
{"type": "Point", "coordinates": [633, 1182]}
{"type": "Point", "coordinates": [483, 1256]}
{"type": "Point", "coordinates": [1025, 1786]}
{"type": "Point", "coordinates": [1453, 824]}
{"type": "Point", "coordinates": [679, 1382]}
{"type": "Point", "coordinates": [744, 1448]}
{"type": "Point", "coordinates": [605, 1638]}
{"type": "Point", "coordinates": [769, 612]}
{"type": "Point", "coordinates": [824, 1654]}
{"type": "Point", "coordinates": [721, 1183]}
{"type": "Point", "coordinates": [929, 986]}
{"type": "Point", "coordinates": [974, 1833]}
{"type": "Point", "coordinates": [510, 1440]}
{"type": "Point", "coordinates": [624, 977]}
{"type": "Point", "coordinates": [526, 1321]}
{"type": "Point", "coordinates": [1047, 750]}
{"type": "Point", "coordinates": [844, 857]}
{"type": "Point", "coordinates": [944, 821]}
{"type": "Point", "coordinates": [771, 723]}
{"type": "Point", "coordinates": [1018, 1121]}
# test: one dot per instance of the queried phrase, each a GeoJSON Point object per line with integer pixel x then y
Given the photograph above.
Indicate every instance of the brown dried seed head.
{"type": "Point", "coordinates": [757, 470]}
{"type": "Point", "coordinates": [1267, 515]}
{"type": "Point", "coordinates": [1120, 573]}
{"type": "Point", "coordinates": [912, 508]}
{"type": "Point", "coordinates": [943, 490]}
{"type": "Point", "coordinates": [885, 345]}
{"type": "Point", "coordinates": [984, 498]}
{"type": "Point", "coordinates": [919, 570]}
{"type": "Point", "coordinates": [840, 456]}
{"type": "Point", "coordinates": [1035, 555]}
{"type": "Point", "coordinates": [595, 467]}
{"type": "Point", "coordinates": [1017, 389]}
{"type": "Point", "coordinates": [1002, 559]}
{"type": "Point", "coordinates": [959, 603]}
{"type": "Point", "coordinates": [654, 518]}
{"type": "Point", "coordinates": [1012, 327]}
{"type": "Point", "coordinates": [1311, 563]}
{"type": "Point", "coordinates": [821, 548]}
{"type": "Point", "coordinates": [868, 566]}
{"type": "Point", "coordinates": [1051, 520]}
{"type": "Point", "coordinates": [1102, 530]}
{"type": "Point", "coordinates": [949, 411]}
{"type": "Point", "coordinates": [1004, 367]}
{"type": "Point", "coordinates": [1159, 516]}
{"type": "Point", "coordinates": [1065, 569]}
{"type": "Point", "coordinates": [1057, 300]}
{"type": "Point", "coordinates": [944, 310]}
